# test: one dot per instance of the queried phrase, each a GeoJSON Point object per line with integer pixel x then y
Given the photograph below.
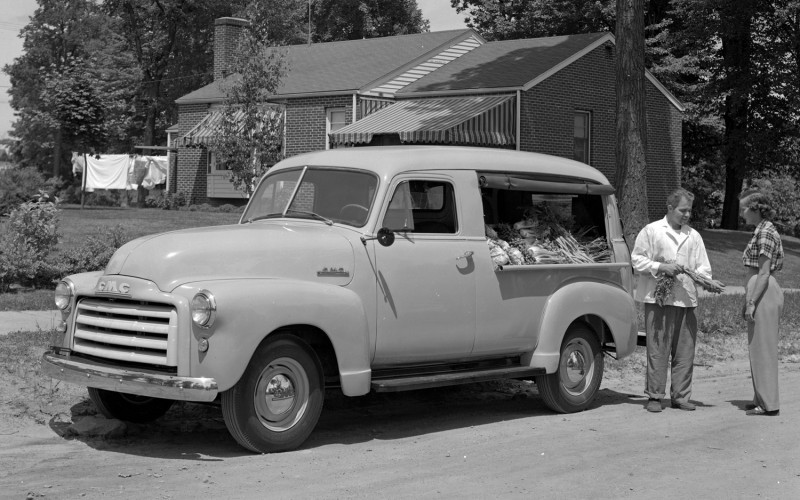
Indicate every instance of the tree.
{"type": "Point", "coordinates": [736, 19]}
{"type": "Point", "coordinates": [71, 106]}
{"type": "Point", "coordinates": [249, 139]}
{"type": "Point", "coordinates": [536, 18]}
{"type": "Point", "coordinates": [280, 23]}
{"type": "Point", "coordinates": [65, 42]}
{"type": "Point", "coordinates": [631, 142]}
{"type": "Point", "coordinates": [334, 20]}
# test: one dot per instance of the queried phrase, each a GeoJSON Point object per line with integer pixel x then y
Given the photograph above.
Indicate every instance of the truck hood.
{"type": "Point", "coordinates": [310, 252]}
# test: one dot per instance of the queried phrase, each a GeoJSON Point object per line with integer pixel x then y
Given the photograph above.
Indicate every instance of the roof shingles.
{"type": "Point", "coordinates": [505, 64]}
{"type": "Point", "coordinates": [344, 66]}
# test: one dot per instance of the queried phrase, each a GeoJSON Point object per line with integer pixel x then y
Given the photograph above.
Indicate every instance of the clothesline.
{"type": "Point", "coordinates": [120, 171]}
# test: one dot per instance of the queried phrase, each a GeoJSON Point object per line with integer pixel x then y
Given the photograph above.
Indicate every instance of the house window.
{"type": "Point", "coordinates": [582, 134]}
{"type": "Point", "coordinates": [214, 165]}
{"type": "Point", "coordinates": [336, 118]}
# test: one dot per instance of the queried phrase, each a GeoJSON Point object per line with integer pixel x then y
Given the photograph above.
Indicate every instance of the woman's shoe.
{"type": "Point", "coordinates": [761, 411]}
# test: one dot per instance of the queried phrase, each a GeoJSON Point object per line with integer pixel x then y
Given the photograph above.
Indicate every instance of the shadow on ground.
{"type": "Point", "coordinates": [197, 432]}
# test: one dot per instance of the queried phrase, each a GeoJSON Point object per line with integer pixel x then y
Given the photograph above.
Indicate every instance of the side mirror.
{"type": "Point", "coordinates": [385, 237]}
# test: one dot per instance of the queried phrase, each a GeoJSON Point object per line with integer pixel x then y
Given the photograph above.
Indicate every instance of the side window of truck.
{"type": "Point", "coordinates": [422, 206]}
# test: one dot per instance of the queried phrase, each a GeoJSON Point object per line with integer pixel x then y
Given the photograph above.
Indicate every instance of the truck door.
{"type": "Point", "coordinates": [426, 302]}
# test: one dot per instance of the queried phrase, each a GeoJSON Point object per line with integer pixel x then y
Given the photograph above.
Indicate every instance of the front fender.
{"type": "Point", "coordinates": [611, 304]}
{"type": "Point", "coordinates": [249, 310]}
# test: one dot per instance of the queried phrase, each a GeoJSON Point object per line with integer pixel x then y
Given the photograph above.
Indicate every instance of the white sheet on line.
{"type": "Point", "coordinates": [108, 171]}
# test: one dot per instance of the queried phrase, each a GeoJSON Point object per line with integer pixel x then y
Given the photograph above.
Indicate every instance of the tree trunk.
{"type": "Point", "coordinates": [57, 152]}
{"type": "Point", "coordinates": [736, 17]}
{"type": "Point", "coordinates": [631, 172]}
{"type": "Point", "coordinates": [152, 89]}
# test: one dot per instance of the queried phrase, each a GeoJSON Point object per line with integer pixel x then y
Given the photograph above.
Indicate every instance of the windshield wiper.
{"type": "Point", "coordinates": [312, 214]}
{"type": "Point", "coordinates": [262, 217]}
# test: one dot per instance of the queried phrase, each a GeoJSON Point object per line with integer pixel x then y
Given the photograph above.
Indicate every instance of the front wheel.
{"type": "Point", "coordinates": [277, 402]}
{"type": "Point", "coordinates": [580, 370]}
{"type": "Point", "coordinates": [129, 407]}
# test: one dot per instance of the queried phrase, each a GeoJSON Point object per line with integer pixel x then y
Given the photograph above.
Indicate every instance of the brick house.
{"type": "Point", "coordinates": [552, 95]}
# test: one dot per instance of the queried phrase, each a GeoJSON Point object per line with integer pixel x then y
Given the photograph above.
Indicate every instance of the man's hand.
{"type": "Point", "coordinates": [670, 269]}
{"type": "Point", "coordinates": [715, 286]}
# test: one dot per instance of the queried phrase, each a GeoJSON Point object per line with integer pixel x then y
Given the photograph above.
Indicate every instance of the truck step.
{"type": "Point", "coordinates": [411, 383]}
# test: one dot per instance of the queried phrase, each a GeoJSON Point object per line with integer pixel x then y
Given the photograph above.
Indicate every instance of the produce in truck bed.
{"type": "Point", "coordinates": [532, 242]}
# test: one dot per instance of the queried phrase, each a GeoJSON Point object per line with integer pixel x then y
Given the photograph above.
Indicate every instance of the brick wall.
{"type": "Point", "coordinates": [306, 119]}
{"type": "Point", "coordinates": [226, 38]}
{"type": "Point", "coordinates": [547, 123]}
{"type": "Point", "coordinates": [192, 163]}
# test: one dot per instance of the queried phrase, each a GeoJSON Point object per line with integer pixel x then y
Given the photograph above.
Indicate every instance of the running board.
{"type": "Point", "coordinates": [456, 378]}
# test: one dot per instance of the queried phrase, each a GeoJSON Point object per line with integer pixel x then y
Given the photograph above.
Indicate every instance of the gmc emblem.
{"type": "Point", "coordinates": [111, 286]}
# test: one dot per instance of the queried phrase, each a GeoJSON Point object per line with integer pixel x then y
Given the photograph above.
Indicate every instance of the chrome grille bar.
{"type": "Point", "coordinates": [126, 330]}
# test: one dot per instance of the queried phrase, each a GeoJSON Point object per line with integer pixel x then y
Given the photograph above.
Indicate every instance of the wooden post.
{"type": "Point", "coordinates": [83, 178]}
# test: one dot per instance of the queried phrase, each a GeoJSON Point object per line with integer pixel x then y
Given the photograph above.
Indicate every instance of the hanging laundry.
{"type": "Point", "coordinates": [137, 173]}
{"type": "Point", "coordinates": [156, 171]}
{"type": "Point", "coordinates": [108, 171]}
{"type": "Point", "coordinates": [77, 163]}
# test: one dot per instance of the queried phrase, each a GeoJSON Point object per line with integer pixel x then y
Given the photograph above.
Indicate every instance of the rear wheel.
{"type": "Point", "coordinates": [129, 407]}
{"type": "Point", "coordinates": [580, 370]}
{"type": "Point", "coordinates": [277, 402]}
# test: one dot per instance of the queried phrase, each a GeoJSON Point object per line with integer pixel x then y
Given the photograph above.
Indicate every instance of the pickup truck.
{"type": "Point", "coordinates": [353, 270]}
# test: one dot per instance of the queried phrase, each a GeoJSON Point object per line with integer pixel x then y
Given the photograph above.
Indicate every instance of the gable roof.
{"type": "Point", "coordinates": [346, 66]}
{"type": "Point", "coordinates": [507, 65]}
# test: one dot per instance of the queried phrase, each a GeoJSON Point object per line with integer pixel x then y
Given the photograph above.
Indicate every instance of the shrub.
{"type": "Point", "coordinates": [230, 209]}
{"type": "Point", "coordinates": [18, 185]}
{"type": "Point", "coordinates": [105, 198]}
{"type": "Point", "coordinates": [93, 254]}
{"type": "Point", "coordinates": [70, 193]}
{"type": "Point", "coordinates": [31, 234]}
{"type": "Point", "coordinates": [158, 198]}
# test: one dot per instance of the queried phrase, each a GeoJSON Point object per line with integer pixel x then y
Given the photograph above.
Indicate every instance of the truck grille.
{"type": "Point", "coordinates": [128, 331]}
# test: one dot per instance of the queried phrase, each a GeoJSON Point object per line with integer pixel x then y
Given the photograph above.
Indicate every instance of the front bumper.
{"type": "Point", "coordinates": [100, 376]}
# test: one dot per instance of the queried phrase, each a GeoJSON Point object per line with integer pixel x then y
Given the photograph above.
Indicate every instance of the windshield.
{"type": "Point", "coordinates": [337, 195]}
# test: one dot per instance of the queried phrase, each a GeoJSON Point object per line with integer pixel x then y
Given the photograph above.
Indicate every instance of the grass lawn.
{"type": "Point", "coordinates": [76, 223]}
{"type": "Point", "coordinates": [725, 249]}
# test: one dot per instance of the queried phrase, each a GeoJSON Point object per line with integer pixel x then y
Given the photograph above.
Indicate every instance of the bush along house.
{"type": "Point", "coordinates": [553, 95]}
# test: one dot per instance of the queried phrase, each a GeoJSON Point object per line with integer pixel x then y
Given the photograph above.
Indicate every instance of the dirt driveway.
{"type": "Point", "coordinates": [480, 441]}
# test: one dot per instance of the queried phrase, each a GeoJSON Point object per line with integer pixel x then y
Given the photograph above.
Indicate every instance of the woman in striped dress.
{"type": "Point", "coordinates": [762, 257]}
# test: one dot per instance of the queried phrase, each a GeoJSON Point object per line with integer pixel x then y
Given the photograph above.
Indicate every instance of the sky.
{"type": "Point", "coordinates": [17, 13]}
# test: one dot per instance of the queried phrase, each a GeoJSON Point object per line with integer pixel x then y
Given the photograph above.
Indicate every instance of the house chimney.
{"type": "Point", "coordinates": [227, 31]}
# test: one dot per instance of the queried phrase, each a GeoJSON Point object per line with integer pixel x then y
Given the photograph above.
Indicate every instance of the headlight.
{"type": "Point", "coordinates": [204, 309]}
{"type": "Point", "coordinates": [63, 295]}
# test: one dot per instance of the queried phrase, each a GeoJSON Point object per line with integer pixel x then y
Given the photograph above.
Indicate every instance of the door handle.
{"type": "Point", "coordinates": [466, 255]}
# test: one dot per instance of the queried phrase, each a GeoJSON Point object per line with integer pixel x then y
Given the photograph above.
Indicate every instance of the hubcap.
{"type": "Point", "coordinates": [281, 394]}
{"type": "Point", "coordinates": [577, 367]}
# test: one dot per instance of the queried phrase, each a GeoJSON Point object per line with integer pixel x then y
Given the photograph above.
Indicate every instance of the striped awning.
{"type": "Point", "coordinates": [207, 129]}
{"type": "Point", "coordinates": [369, 106]}
{"type": "Point", "coordinates": [475, 120]}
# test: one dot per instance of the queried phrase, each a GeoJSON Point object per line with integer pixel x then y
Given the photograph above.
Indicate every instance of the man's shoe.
{"type": "Point", "coordinates": [761, 411]}
{"type": "Point", "coordinates": [653, 405]}
{"type": "Point", "coordinates": [687, 406]}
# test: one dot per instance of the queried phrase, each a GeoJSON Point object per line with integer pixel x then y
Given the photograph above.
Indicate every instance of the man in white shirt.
{"type": "Point", "coordinates": [665, 248]}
